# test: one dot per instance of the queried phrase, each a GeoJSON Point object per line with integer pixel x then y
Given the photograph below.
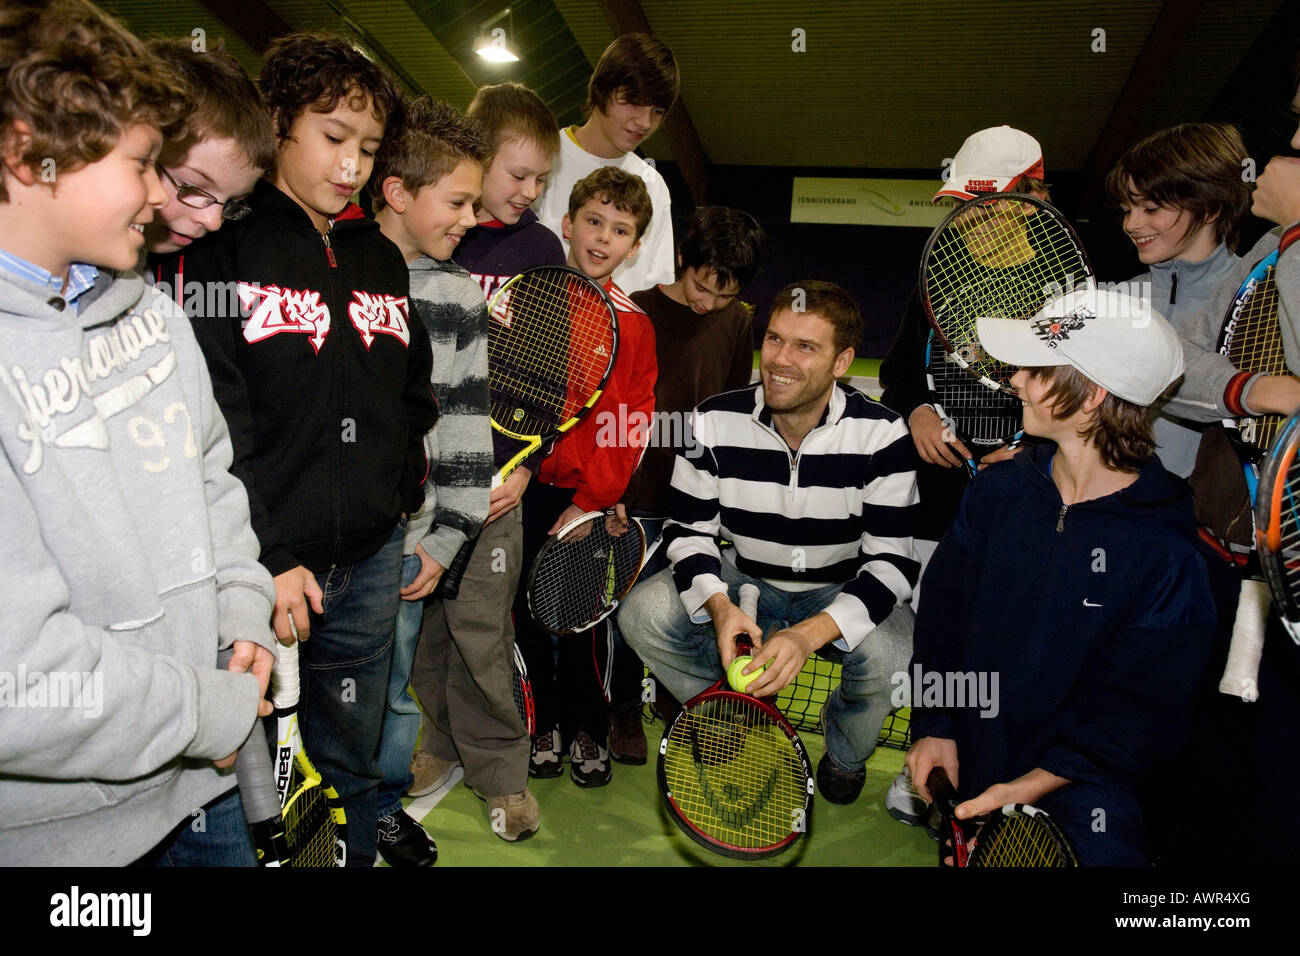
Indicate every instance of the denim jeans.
{"type": "Point", "coordinates": [684, 656]}
{"type": "Point", "coordinates": [402, 714]}
{"type": "Point", "coordinates": [628, 670]}
{"type": "Point", "coordinates": [345, 667]}
{"type": "Point", "coordinates": [223, 839]}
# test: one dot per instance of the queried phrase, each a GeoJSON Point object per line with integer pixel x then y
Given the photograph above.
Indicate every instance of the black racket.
{"type": "Point", "coordinates": [1003, 255]}
{"type": "Point", "coordinates": [981, 417]}
{"type": "Point", "coordinates": [552, 338]}
{"type": "Point", "coordinates": [734, 775]}
{"type": "Point", "coordinates": [583, 571]}
{"type": "Point", "coordinates": [523, 691]}
{"type": "Point", "coordinates": [1018, 835]}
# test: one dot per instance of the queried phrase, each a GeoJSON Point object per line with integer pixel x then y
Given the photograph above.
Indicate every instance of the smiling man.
{"type": "Point", "coordinates": [814, 484]}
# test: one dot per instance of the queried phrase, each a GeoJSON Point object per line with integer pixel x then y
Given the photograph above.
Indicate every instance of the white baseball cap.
{"type": "Point", "coordinates": [990, 161]}
{"type": "Point", "coordinates": [1116, 339]}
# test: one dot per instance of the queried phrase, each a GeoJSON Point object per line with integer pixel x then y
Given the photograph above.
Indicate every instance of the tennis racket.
{"type": "Point", "coordinates": [583, 571]}
{"type": "Point", "coordinates": [981, 417]}
{"type": "Point", "coordinates": [1277, 523]}
{"type": "Point", "coordinates": [1018, 835]}
{"type": "Point", "coordinates": [552, 338]}
{"type": "Point", "coordinates": [257, 791]}
{"type": "Point", "coordinates": [1251, 338]}
{"type": "Point", "coordinates": [523, 690]}
{"type": "Point", "coordinates": [1003, 255]}
{"type": "Point", "coordinates": [734, 775]}
{"type": "Point", "coordinates": [313, 815]}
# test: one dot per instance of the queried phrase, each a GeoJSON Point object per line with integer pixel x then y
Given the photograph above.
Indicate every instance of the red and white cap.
{"type": "Point", "coordinates": [990, 161]}
{"type": "Point", "coordinates": [1116, 339]}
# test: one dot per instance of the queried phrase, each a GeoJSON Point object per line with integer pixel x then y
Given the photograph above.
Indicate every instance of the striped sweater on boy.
{"type": "Point", "coordinates": [449, 303]}
{"type": "Point", "coordinates": [840, 510]}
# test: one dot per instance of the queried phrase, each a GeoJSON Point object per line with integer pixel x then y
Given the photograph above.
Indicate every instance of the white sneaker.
{"type": "Point", "coordinates": [904, 803]}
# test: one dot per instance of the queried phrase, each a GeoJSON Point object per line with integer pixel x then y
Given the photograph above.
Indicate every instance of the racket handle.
{"type": "Point", "coordinates": [748, 602]}
{"type": "Point", "coordinates": [253, 767]}
{"type": "Point", "coordinates": [449, 584]}
{"type": "Point", "coordinates": [941, 789]}
{"type": "Point", "coordinates": [1241, 675]}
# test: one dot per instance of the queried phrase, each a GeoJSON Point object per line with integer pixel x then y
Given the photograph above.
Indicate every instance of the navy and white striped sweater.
{"type": "Point", "coordinates": [839, 510]}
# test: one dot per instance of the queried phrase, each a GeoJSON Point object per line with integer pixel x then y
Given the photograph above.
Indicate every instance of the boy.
{"type": "Point", "coordinates": [1097, 679]}
{"type": "Point", "coordinates": [325, 383]}
{"type": "Point", "coordinates": [609, 211]}
{"type": "Point", "coordinates": [634, 85]}
{"type": "Point", "coordinates": [464, 665]}
{"type": "Point", "coordinates": [129, 559]}
{"type": "Point", "coordinates": [212, 165]}
{"type": "Point", "coordinates": [796, 447]}
{"type": "Point", "coordinates": [425, 183]}
{"type": "Point", "coordinates": [705, 345]}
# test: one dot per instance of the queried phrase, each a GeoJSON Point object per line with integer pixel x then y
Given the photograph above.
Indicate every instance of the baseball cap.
{"type": "Point", "coordinates": [990, 161]}
{"type": "Point", "coordinates": [1116, 339]}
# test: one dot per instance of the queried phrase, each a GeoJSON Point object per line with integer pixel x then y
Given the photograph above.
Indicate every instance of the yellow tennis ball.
{"type": "Point", "coordinates": [736, 679]}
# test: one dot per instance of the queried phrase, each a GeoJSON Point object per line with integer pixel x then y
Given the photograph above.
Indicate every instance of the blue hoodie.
{"type": "Point", "coordinates": [1096, 621]}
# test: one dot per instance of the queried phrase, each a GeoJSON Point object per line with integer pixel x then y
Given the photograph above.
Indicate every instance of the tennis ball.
{"type": "Point", "coordinates": [736, 679]}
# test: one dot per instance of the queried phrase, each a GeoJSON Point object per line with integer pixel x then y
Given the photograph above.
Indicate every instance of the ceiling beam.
{"type": "Point", "coordinates": [1150, 69]}
{"type": "Point", "coordinates": [252, 20]}
{"type": "Point", "coordinates": [626, 16]}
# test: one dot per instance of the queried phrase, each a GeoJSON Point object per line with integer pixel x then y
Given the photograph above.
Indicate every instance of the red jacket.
{"type": "Point", "coordinates": [598, 457]}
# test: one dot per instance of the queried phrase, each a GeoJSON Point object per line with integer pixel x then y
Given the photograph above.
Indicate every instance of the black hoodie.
{"type": "Point", "coordinates": [322, 377]}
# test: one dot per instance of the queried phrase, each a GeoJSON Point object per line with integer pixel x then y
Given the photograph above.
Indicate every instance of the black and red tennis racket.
{"type": "Point", "coordinates": [523, 692]}
{"type": "Point", "coordinates": [734, 775]}
{"type": "Point", "coordinates": [552, 338]}
{"type": "Point", "coordinates": [1018, 835]}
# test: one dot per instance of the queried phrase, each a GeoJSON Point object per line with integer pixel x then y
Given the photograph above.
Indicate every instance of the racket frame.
{"type": "Point", "coordinates": [610, 600]}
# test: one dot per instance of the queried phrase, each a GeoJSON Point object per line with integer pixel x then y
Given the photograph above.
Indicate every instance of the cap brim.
{"type": "Point", "coordinates": [1013, 341]}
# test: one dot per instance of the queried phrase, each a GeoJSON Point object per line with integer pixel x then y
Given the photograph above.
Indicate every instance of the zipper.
{"type": "Point", "coordinates": [1173, 287]}
{"type": "Point", "coordinates": [1060, 521]}
{"type": "Point", "coordinates": [329, 251]}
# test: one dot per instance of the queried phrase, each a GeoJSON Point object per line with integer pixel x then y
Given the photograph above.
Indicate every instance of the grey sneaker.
{"type": "Point", "coordinates": [514, 817]}
{"type": "Point", "coordinates": [588, 762]}
{"type": "Point", "coordinates": [547, 759]}
{"type": "Point", "coordinates": [903, 801]}
{"type": "Point", "coordinates": [430, 772]}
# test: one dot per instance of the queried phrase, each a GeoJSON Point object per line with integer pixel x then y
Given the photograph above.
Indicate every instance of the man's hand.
{"type": "Point", "coordinates": [928, 753]}
{"type": "Point", "coordinates": [1277, 193]}
{"type": "Point", "coordinates": [1274, 394]}
{"type": "Point", "coordinates": [1030, 788]}
{"type": "Point", "coordinates": [293, 589]}
{"type": "Point", "coordinates": [508, 494]}
{"type": "Point", "coordinates": [936, 442]}
{"type": "Point", "coordinates": [728, 621]}
{"type": "Point", "coordinates": [787, 650]}
{"type": "Point", "coordinates": [426, 580]}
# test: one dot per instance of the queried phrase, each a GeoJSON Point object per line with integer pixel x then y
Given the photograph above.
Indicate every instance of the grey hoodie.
{"type": "Point", "coordinates": [127, 560]}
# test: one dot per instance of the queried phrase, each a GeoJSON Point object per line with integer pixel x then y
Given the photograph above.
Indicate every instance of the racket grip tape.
{"type": "Point", "coordinates": [449, 584]}
{"type": "Point", "coordinates": [1241, 674]}
{"type": "Point", "coordinates": [253, 767]}
{"type": "Point", "coordinates": [748, 603]}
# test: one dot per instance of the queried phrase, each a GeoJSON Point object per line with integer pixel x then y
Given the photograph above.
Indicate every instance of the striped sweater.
{"type": "Point", "coordinates": [839, 510]}
{"type": "Point", "coordinates": [450, 305]}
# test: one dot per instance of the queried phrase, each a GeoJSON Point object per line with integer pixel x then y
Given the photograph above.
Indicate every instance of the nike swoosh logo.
{"type": "Point", "coordinates": [1087, 603]}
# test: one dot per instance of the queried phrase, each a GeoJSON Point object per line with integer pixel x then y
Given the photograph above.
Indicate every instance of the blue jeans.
{"type": "Point", "coordinates": [345, 667]}
{"type": "Point", "coordinates": [684, 656]}
{"type": "Point", "coordinates": [628, 670]}
{"type": "Point", "coordinates": [223, 839]}
{"type": "Point", "coordinates": [402, 715]}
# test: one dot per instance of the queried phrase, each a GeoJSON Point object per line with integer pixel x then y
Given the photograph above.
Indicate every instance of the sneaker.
{"type": "Point", "coordinates": [547, 759]}
{"type": "Point", "coordinates": [836, 785]}
{"type": "Point", "coordinates": [514, 817]}
{"type": "Point", "coordinates": [903, 801]}
{"type": "Point", "coordinates": [627, 736]}
{"type": "Point", "coordinates": [404, 843]}
{"type": "Point", "coordinates": [430, 772]}
{"type": "Point", "coordinates": [588, 762]}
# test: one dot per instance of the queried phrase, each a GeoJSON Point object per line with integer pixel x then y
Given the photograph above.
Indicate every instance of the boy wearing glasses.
{"type": "Point", "coordinates": [208, 169]}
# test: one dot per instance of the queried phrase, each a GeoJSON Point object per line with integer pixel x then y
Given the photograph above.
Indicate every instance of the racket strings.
{"type": "Point", "coordinates": [1254, 344]}
{"type": "Point", "coordinates": [998, 263]}
{"type": "Point", "coordinates": [549, 346]}
{"type": "Point", "coordinates": [734, 774]}
{"type": "Point", "coordinates": [578, 577]}
{"type": "Point", "coordinates": [980, 415]}
{"type": "Point", "coordinates": [309, 826]}
{"type": "Point", "coordinates": [1018, 840]}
